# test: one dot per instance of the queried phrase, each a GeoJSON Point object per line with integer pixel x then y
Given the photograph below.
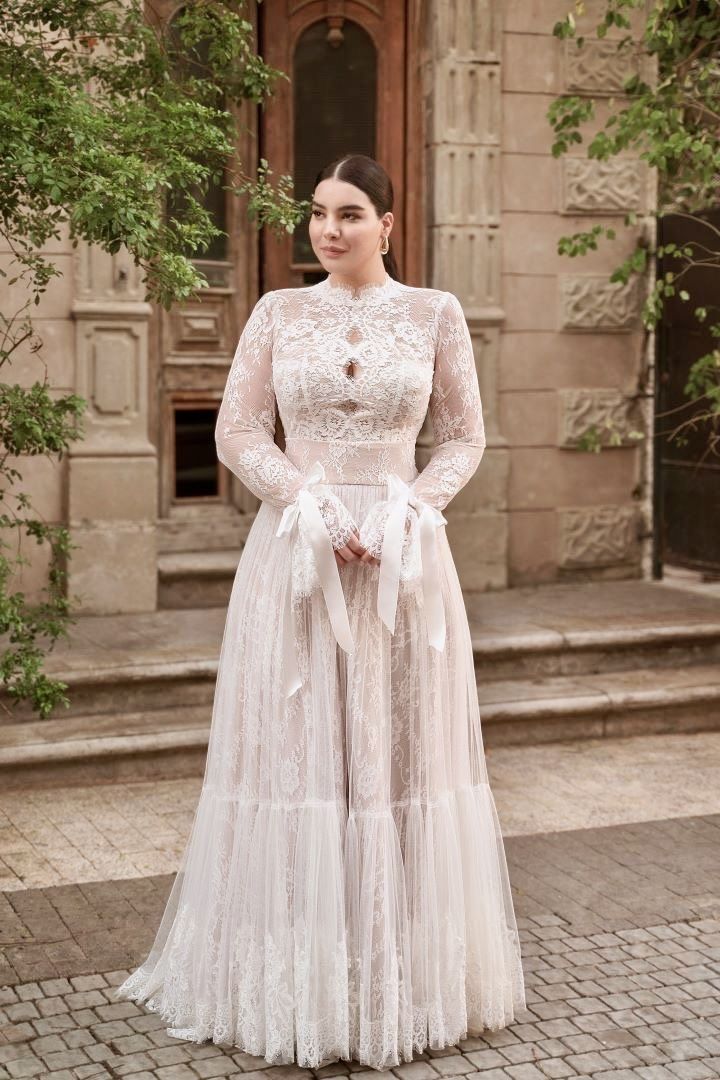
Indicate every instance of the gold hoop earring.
{"type": "Point", "coordinates": [384, 250]}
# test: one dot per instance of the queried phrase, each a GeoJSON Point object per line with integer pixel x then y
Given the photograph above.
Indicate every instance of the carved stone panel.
{"type": "Point", "coordinates": [602, 187]}
{"type": "Point", "coordinates": [466, 262]}
{"type": "Point", "coordinates": [612, 414]}
{"type": "Point", "coordinates": [112, 377]}
{"type": "Point", "coordinates": [465, 103]}
{"type": "Point", "coordinates": [598, 536]}
{"type": "Point", "coordinates": [597, 67]}
{"type": "Point", "coordinates": [467, 27]}
{"type": "Point", "coordinates": [466, 189]}
{"type": "Point", "coordinates": [200, 326]}
{"type": "Point", "coordinates": [592, 302]}
{"type": "Point", "coordinates": [101, 276]}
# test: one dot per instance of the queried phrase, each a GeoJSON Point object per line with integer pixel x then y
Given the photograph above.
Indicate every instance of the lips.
{"type": "Point", "coordinates": [333, 251]}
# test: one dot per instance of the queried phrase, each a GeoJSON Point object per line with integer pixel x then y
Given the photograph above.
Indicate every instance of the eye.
{"type": "Point", "coordinates": [314, 212]}
{"type": "Point", "coordinates": [352, 216]}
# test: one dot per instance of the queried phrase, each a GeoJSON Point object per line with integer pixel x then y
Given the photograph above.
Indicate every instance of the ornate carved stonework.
{"type": "Point", "coordinates": [468, 27]}
{"type": "Point", "coordinates": [598, 536]}
{"type": "Point", "coordinates": [592, 302]}
{"type": "Point", "coordinates": [462, 89]}
{"type": "Point", "coordinates": [467, 262]}
{"type": "Point", "coordinates": [466, 186]}
{"type": "Point", "coordinates": [602, 187]}
{"type": "Point", "coordinates": [200, 326]}
{"type": "Point", "coordinates": [597, 67]}
{"type": "Point", "coordinates": [610, 412]}
{"type": "Point", "coordinates": [465, 103]}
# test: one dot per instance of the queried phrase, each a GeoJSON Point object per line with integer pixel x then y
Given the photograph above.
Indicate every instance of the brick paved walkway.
{"type": "Point", "coordinates": [621, 940]}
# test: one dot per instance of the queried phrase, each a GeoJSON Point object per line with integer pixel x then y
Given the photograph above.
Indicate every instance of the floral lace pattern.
{"type": "Point", "coordinates": [343, 893]}
{"type": "Point", "coordinates": [352, 377]}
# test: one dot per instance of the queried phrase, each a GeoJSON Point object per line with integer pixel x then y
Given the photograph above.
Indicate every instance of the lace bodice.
{"type": "Point", "coordinates": [352, 373]}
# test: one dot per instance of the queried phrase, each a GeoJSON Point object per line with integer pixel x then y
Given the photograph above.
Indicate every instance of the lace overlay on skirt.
{"type": "Point", "coordinates": [343, 893]}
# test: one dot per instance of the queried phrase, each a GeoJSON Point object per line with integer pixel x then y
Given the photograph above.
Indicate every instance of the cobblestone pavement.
{"type": "Point", "coordinates": [620, 927]}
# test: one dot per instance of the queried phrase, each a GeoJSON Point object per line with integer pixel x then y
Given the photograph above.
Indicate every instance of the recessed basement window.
{"type": "Point", "coordinates": [197, 470]}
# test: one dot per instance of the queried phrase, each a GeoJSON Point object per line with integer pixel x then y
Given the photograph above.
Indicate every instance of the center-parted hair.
{"type": "Point", "coordinates": [367, 174]}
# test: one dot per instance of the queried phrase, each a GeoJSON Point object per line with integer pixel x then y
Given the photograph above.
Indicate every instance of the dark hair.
{"type": "Point", "coordinates": [368, 175]}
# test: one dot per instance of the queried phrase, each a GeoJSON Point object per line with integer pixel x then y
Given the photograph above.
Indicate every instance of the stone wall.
{"type": "Point", "coordinates": [572, 345]}
{"type": "Point", "coordinates": [559, 348]}
{"type": "Point", "coordinates": [92, 326]}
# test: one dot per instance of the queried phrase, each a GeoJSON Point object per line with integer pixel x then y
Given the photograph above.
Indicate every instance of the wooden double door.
{"type": "Point", "coordinates": [353, 85]}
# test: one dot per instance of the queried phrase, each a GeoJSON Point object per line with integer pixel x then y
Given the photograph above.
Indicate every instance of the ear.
{"type": "Point", "coordinates": [387, 220]}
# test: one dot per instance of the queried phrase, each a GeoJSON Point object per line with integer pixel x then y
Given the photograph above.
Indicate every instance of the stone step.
{"type": "Point", "coordinates": [552, 662]}
{"type": "Point", "coordinates": [196, 579]}
{"type": "Point", "coordinates": [557, 630]}
{"type": "Point", "coordinates": [610, 704]}
{"type": "Point", "coordinates": [155, 679]}
{"type": "Point", "coordinates": [108, 748]}
{"type": "Point", "coordinates": [532, 653]}
{"type": "Point", "coordinates": [172, 742]}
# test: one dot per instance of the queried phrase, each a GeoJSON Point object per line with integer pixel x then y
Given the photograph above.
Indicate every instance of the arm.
{"type": "Point", "coordinates": [455, 412]}
{"type": "Point", "coordinates": [245, 429]}
{"type": "Point", "coordinates": [456, 415]}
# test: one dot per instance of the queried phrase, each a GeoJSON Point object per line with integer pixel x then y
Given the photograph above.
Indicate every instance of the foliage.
{"type": "Point", "coordinates": [670, 119]}
{"type": "Point", "coordinates": [112, 130]}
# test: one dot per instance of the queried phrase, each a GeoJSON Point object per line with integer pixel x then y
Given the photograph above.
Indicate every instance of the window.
{"type": "Point", "coordinates": [335, 90]}
{"type": "Point", "coordinates": [198, 473]}
{"type": "Point", "coordinates": [214, 199]}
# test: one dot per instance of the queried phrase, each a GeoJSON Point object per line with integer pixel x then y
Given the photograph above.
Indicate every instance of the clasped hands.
{"type": "Point", "coordinates": [354, 551]}
{"type": "Point", "coordinates": [364, 544]}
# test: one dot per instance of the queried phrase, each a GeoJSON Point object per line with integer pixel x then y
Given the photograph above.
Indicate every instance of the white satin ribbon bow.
{"type": "Point", "coordinates": [390, 560]}
{"type": "Point", "coordinates": [305, 506]}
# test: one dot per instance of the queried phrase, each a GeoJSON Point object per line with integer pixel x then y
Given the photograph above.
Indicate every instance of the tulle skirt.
{"type": "Point", "coordinates": [344, 892]}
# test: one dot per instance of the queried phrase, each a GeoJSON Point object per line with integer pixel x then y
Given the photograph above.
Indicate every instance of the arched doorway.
{"type": "Point", "coordinates": [350, 88]}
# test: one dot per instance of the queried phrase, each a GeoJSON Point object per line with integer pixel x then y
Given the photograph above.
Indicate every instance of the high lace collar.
{"type": "Point", "coordinates": [343, 292]}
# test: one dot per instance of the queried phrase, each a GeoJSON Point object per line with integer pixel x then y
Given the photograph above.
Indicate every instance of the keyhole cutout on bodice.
{"type": "Point", "coordinates": [353, 336]}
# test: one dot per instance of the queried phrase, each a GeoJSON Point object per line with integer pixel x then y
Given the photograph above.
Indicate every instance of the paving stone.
{"type": "Point", "coordinates": [611, 992]}
{"type": "Point", "coordinates": [453, 1065]}
{"type": "Point", "coordinates": [556, 1068]}
{"type": "Point", "coordinates": [486, 1059]}
{"type": "Point", "coordinates": [25, 1066]}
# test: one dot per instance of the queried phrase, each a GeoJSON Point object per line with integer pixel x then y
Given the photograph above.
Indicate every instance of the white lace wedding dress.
{"type": "Point", "coordinates": [344, 891]}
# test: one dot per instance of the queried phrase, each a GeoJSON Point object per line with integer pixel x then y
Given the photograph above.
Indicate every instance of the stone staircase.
{"type": "Point", "coordinates": [554, 662]}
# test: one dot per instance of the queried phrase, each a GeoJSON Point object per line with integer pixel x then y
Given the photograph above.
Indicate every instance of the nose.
{"type": "Point", "coordinates": [330, 229]}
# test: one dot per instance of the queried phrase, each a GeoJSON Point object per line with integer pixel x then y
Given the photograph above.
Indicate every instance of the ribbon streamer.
{"type": "Point", "coordinates": [306, 506]}
{"type": "Point", "coordinates": [400, 496]}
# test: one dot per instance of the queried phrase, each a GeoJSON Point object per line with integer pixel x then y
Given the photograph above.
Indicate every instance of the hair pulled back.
{"type": "Point", "coordinates": [368, 175]}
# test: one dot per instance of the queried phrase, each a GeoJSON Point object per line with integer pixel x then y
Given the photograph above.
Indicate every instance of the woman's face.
{"type": "Point", "coordinates": [345, 230]}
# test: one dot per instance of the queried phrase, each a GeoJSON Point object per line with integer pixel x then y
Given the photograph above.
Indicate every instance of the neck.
{"type": "Point", "coordinates": [374, 274]}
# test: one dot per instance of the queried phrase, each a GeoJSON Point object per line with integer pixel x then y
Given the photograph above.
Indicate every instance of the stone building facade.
{"type": "Point", "coordinates": [455, 94]}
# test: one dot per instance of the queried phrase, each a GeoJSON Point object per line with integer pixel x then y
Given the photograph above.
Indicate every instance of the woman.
{"type": "Point", "coordinates": [344, 891]}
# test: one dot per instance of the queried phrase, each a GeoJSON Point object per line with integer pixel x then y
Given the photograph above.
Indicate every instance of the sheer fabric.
{"type": "Point", "coordinates": [344, 891]}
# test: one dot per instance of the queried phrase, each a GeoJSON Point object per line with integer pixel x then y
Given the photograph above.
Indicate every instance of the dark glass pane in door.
{"type": "Point", "coordinates": [335, 91]}
{"type": "Point", "coordinates": [196, 464]}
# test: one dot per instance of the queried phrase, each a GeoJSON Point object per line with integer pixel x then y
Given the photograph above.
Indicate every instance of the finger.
{"type": "Point", "coordinates": [355, 545]}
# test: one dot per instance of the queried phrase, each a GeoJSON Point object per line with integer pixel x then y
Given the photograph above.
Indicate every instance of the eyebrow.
{"type": "Point", "coordinates": [348, 207]}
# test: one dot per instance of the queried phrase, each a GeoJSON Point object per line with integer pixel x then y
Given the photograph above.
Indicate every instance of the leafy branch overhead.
{"type": "Point", "coordinates": [113, 128]}
{"type": "Point", "coordinates": [668, 115]}
{"type": "Point", "coordinates": [104, 115]}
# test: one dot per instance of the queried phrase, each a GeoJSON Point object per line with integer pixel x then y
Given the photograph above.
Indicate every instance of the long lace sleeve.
{"type": "Point", "coordinates": [455, 412]}
{"type": "Point", "coordinates": [456, 415]}
{"type": "Point", "coordinates": [245, 429]}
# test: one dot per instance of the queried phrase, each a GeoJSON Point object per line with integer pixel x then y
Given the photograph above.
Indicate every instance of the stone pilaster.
{"type": "Point", "coordinates": [463, 108]}
{"type": "Point", "coordinates": [112, 487]}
